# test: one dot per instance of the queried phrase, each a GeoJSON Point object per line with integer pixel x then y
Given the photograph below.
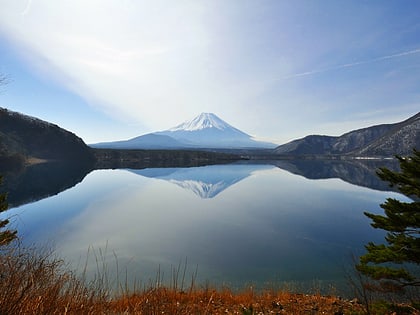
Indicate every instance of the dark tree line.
{"type": "Point", "coordinates": [6, 235]}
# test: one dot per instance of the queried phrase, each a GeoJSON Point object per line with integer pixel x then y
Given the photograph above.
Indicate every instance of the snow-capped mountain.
{"type": "Point", "coordinates": [204, 131]}
{"type": "Point", "coordinates": [208, 130]}
{"type": "Point", "coordinates": [203, 121]}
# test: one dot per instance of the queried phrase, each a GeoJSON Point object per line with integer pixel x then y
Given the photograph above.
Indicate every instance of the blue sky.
{"type": "Point", "coordinates": [276, 69]}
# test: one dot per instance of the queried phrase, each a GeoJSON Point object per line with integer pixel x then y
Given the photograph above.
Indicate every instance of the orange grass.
{"type": "Point", "coordinates": [224, 301]}
{"type": "Point", "coordinates": [37, 282]}
{"type": "Point", "coordinates": [33, 282]}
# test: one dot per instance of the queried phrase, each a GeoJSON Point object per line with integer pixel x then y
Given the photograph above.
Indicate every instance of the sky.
{"type": "Point", "coordinates": [276, 69]}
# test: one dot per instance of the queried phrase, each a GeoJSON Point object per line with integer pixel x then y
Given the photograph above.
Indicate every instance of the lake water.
{"type": "Point", "coordinates": [238, 224]}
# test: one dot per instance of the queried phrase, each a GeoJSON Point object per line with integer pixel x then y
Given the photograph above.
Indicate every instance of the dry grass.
{"type": "Point", "coordinates": [33, 282]}
{"type": "Point", "coordinates": [39, 283]}
{"type": "Point", "coordinates": [206, 301]}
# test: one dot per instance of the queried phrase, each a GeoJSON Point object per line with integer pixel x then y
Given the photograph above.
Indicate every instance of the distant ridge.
{"type": "Point", "coordinates": [380, 140]}
{"type": "Point", "coordinates": [23, 137]}
{"type": "Point", "coordinates": [148, 141]}
{"type": "Point", "coordinates": [204, 131]}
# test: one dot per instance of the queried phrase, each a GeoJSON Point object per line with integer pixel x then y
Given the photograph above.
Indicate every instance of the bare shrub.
{"type": "Point", "coordinates": [37, 282]}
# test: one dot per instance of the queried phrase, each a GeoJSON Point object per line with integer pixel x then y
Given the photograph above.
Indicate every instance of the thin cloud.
{"type": "Point", "coordinates": [151, 64]}
{"type": "Point", "coordinates": [27, 8]}
{"type": "Point", "coordinates": [353, 64]}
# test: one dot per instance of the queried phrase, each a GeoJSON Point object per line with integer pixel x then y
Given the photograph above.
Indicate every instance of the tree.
{"type": "Point", "coordinates": [6, 236]}
{"type": "Point", "coordinates": [395, 265]}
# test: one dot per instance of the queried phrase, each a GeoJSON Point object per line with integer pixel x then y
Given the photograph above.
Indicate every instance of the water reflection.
{"type": "Point", "coordinates": [40, 181]}
{"type": "Point", "coordinates": [258, 224]}
{"type": "Point", "coordinates": [204, 181]}
{"type": "Point", "coordinates": [354, 171]}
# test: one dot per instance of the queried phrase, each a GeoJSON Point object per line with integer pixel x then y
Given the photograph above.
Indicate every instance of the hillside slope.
{"type": "Point", "coordinates": [380, 140]}
{"type": "Point", "coordinates": [24, 136]}
{"type": "Point", "coordinates": [400, 139]}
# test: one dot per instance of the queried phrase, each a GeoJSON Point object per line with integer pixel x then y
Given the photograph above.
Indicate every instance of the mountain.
{"type": "Point", "coordinates": [23, 137]}
{"type": "Point", "coordinates": [149, 141]}
{"type": "Point", "coordinates": [204, 131]}
{"type": "Point", "coordinates": [381, 140]}
{"type": "Point", "coordinates": [399, 140]}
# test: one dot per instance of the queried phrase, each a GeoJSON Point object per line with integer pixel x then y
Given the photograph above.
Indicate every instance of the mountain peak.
{"type": "Point", "coordinates": [204, 131]}
{"type": "Point", "coordinates": [202, 121]}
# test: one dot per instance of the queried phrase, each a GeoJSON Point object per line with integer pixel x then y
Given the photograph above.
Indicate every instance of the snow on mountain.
{"type": "Point", "coordinates": [204, 131]}
{"type": "Point", "coordinates": [203, 121]}
{"type": "Point", "coordinates": [209, 131]}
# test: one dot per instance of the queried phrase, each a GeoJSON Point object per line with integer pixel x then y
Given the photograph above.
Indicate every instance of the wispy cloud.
{"type": "Point", "coordinates": [27, 8]}
{"type": "Point", "coordinates": [352, 64]}
{"type": "Point", "coordinates": [156, 63]}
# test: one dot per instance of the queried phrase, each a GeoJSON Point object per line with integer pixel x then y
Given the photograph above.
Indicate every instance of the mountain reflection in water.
{"type": "Point", "coordinates": [204, 181]}
{"type": "Point", "coordinates": [357, 172]}
{"type": "Point", "coordinates": [209, 181]}
{"type": "Point", "coordinates": [243, 222]}
{"type": "Point", "coordinates": [41, 181]}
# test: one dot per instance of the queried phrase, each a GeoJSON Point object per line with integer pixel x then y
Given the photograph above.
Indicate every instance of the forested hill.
{"type": "Point", "coordinates": [380, 140]}
{"type": "Point", "coordinates": [23, 137]}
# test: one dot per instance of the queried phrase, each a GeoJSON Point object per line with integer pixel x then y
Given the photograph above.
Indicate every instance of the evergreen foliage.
{"type": "Point", "coordinates": [395, 265]}
{"type": "Point", "coordinates": [6, 236]}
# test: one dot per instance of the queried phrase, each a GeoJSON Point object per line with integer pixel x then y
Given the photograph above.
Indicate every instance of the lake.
{"type": "Point", "coordinates": [281, 223]}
